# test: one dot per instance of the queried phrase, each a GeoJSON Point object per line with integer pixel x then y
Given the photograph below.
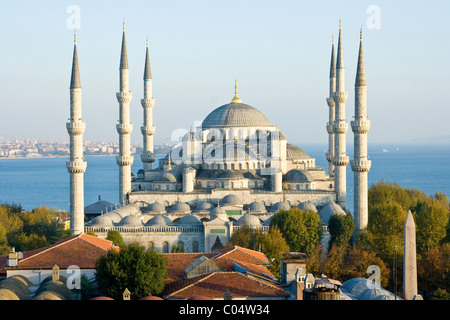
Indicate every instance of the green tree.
{"type": "Point", "coordinates": [431, 220]}
{"type": "Point", "coordinates": [142, 272]}
{"type": "Point", "coordinates": [115, 237]}
{"type": "Point", "coordinates": [301, 229]}
{"type": "Point", "coordinates": [341, 228]}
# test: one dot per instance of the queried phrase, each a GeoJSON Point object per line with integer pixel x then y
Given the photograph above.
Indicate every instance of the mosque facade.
{"type": "Point", "coordinates": [236, 169]}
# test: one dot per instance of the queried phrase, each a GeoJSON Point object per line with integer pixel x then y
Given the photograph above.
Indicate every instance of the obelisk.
{"type": "Point", "coordinates": [409, 259]}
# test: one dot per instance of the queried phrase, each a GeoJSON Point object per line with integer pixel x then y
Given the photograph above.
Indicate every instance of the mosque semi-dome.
{"type": "Point", "coordinates": [235, 115]}
{"type": "Point", "coordinates": [219, 212]}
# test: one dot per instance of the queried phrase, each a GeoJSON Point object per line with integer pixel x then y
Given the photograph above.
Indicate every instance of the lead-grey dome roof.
{"type": "Point", "coordinates": [293, 152]}
{"type": "Point", "coordinates": [249, 220]}
{"type": "Point", "coordinates": [297, 175]}
{"type": "Point", "coordinates": [236, 115]}
{"type": "Point", "coordinates": [159, 221]}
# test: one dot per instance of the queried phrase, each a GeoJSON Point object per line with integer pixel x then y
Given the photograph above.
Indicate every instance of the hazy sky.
{"type": "Point", "coordinates": [279, 51]}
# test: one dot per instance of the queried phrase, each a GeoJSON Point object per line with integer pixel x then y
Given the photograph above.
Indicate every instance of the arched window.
{"type": "Point", "coordinates": [165, 246]}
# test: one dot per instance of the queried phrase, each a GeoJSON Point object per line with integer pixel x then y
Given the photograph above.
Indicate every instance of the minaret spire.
{"type": "Point", "coordinates": [360, 164]}
{"type": "Point", "coordinates": [331, 113]}
{"type": "Point", "coordinates": [124, 127]}
{"type": "Point", "coordinates": [340, 159]}
{"type": "Point", "coordinates": [147, 129]}
{"type": "Point", "coordinates": [76, 165]}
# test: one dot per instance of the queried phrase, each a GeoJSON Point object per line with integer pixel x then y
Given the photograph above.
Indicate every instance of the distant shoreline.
{"type": "Point", "coordinates": [65, 156]}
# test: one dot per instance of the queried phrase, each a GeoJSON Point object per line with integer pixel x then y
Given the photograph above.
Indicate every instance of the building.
{"type": "Point", "coordinates": [236, 169]}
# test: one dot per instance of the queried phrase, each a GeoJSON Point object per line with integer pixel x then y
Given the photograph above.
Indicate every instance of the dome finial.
{"type": "Point", "coordinates": [123, 27]}
{"type": "Point", "coordinates": [169, 167]}
{"type": "Point", "coordinates": [236, 98]}
{"type": "Point", "coordinates": [360, 34]}
{"type": "Point", "coordinates": [75, 36]}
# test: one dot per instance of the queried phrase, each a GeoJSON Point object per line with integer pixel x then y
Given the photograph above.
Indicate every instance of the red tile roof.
{"type": "Point", "coordinates": [214, 285]}
{"type": "Point", "coordinates": [81, 250]}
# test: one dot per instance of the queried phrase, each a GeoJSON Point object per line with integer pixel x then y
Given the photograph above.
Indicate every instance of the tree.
{"type": "Point", "coordinates": [141, 272]}
{"type": "Point", "coordinates": [273, 245]}
{"type": "Point", "coordinates": [431, 220]}
{"type": "Point", "coordinates": [115, 237]}
{"type": "Point", "coordinates": [301, 229]}
{"type": "Point", "coordinates": [341, 228]}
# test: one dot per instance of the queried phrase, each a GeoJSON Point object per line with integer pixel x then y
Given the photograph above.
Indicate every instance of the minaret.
{"type": "Point", "coordinates": [147, 129]}
{"type": "Point", "coordinates": [76, 165]}
{"type": "Point", "coordinates": [124, 127]}
{"type": "Point", "coordinates": [331, 116]}
{"type": "Point", "coordinates": [360, 163]}
{"type": "Point", "coordinates": [340, 160]}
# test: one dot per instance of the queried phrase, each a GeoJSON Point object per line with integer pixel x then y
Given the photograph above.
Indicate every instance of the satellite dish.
{"type": "Point", "coordinates": [20, 255]}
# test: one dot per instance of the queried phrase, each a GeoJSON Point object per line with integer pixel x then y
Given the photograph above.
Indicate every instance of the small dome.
{"type": "Point", "coordinates": [297, 175]}
{"type": "Point", "coordinates": [376, 293]}
{"type": "Point", "coordinates": [159, 221]}
{"type": "Point", "coordinates": [155, 207]}
{"type": "Point", "coordinates": [151, 298]}
{"type": "Point", "coordinates": [219, 212]}
{"type": "Point", "coordinates": [180, 207]}
{"type": "Point", "coordinates": [189, 220]}
{"type": "Point", "coordinates": [280, 206]}
{"type": "Point", "coordinates": [169, 176]}
{"type": "Point", "coordinates": [203, 206]}
{"type": "Point", "coordinates": [114, 216]}
{"type": "Point", "coordinates": [102, 221]}
{"type": "Point", "coordinates": [127, 210]}
{"type": "Point", "coordinates": [101, 298]}
{"type": "Point", "coordinates": [131, 221]}
{"type": "Point", "coordinates": [231, 200]}
{"type": "Point", "coordinates": [257, 206]}
{"type": "Point", "coordinates": [328, 210]}
{"type": "Point", "coordinates": [249, 220]}
{"type": "Point", "coordinates": [307, 206]}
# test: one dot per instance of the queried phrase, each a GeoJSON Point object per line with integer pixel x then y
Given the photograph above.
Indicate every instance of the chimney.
{"type": "Point", "coordinates": [55, 273]}
{"type": "Point", "coordinates": [126, 294]}
{"type": "Point", "coordinates": [290, 262]}
{"type": "Point", "coordinates": [13, 258]}
{"type": "Point", "coordinates": [300, 285]}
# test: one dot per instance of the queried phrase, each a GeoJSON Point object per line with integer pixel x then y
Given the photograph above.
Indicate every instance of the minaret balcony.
{"type": "Point", "coordinates": [148, 103]}
{"type": "Point", "coordinates": [148, 157]}
{"type": "Point", "coordinates": [340, 97]}
{"type": "Point", "coordinates": [361, 165]}
{"type": "Point", "coordinates": [330, 128]}
{"type": "Point", "coordinates": [340, 127]}
{"type": "Point", "coordinates": [124, 160]}
{"type": "Point", "coordinates": [329, 156]}
{"type": "Point", "coordinates": [75, 128]}
{"type": "Point", "coordinates": [148, 130]}
{"type": "Point", "coordinates": [360, 126]}
{"type": "Point", "coordinates": [331, 103]}
{"type": "Point", "coordinates": [124, 96]}
{"type": "Point", "coordinates": [76, 166]}
{"type": "Point", "coordinates": [124, 128]}
{"type": "Point", "coordinates": [340, 160]}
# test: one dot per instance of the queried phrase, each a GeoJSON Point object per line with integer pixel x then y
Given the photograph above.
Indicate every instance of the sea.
{"type": "Point", "coordinates": [37, 182]}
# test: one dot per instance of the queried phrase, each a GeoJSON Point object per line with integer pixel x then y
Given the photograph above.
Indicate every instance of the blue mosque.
{"type": "Point", "coordinates": [236, 169]}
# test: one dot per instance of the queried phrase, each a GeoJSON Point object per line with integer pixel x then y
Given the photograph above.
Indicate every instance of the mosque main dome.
{"type": "Point", "coordinates": [236, 115]}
